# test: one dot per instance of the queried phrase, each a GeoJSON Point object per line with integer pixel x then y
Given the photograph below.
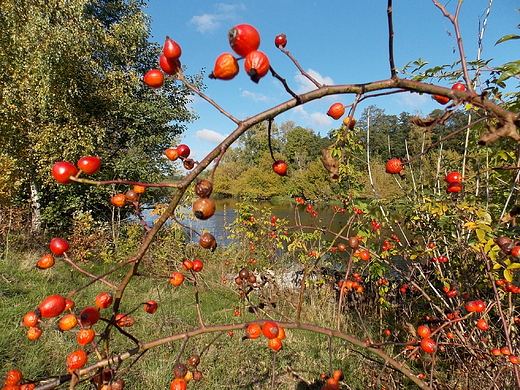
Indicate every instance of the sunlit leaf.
{"type": "Point", "coordinates": [507, 38]}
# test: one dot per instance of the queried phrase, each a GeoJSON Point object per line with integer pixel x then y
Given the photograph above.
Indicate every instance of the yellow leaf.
{"type": "Point", "coordinates": [508, 275]}
{"type": "Point", "coordinates": [481, 234]}
{"type": "Point", "coordinates": [470, 225]}
{"type": "Point", "coordinates": [497, 266]}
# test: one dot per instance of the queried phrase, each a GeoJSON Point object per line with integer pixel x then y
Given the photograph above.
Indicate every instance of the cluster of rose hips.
{"type": "Point", "coordinates": [245, 279]}
{"type": "Point", "coordinates": [505, 351]}
{"type": "Point", "coordinates": [338, 210]}
{"type": "Point", "coordinates": [181, 151]}
{"type": "Point", "coordinates": [450, 291]}
{"type": "Point", "coordinates": [244, 40]}
{"type": "Point", "coordinates": [58, 247]}
{"type": "Point", "coordinates": [348, 285]}
{"type": "Point", "coordinates": [131, 196]}
{"type": "Point", "coordinates": [182, 375]}
{"type": "Point", "coordinates": [356, 210]}
{"type": "Point", "coordinates": [479, 307]}
{"type": "Point", "coordinates": [454, 180]}
{"type": "Point", "coordinates": [204, 206]}
{"type": "Point", "coordinates": [64, 171]}
{"type": "Point", "coordinates": [353, 243]}
{"type": "Point", "coordinates": [56, 305]}
{"type": "Point", "coordinates": [309, 209]}
{"type": "Point", "coordinates": [507, 286]}
{"type": "Point", "coordinates": [444, 99]}
{"type": "Point", "coordinates": [13, 379]}
{"type": "Point", "coordinates": [375, 226]}
{"type": "Point", "coordinates": [395, 238]}
{"type": "Point", "coordinates": [177, 278]}
{"type": "Point", "coordinates": [427, 344]}
{"type": "Point", "coordinates": [271, 330]}
{"type": "Point", "coordinates": [363, 255]}
{"type": "Point", "coordinates": [336, 111]}
{"type": "Point", "coordinates": [440, 259]}
{"type": "Point", "coordinates": [387, 245]}
{"type": "Point", "coordinates": [332, 383]}
{"type": "Point", "coordinates": [169, 62]}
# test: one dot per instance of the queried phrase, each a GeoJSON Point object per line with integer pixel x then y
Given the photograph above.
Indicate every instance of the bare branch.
{"type": "Point", "coordinates": [455, 21]}
{"type": "Point", "coordinates": [389, 12]}
{"type": "Point", "coordinates": [312, 79]}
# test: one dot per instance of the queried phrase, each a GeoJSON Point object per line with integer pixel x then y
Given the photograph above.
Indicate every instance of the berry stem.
{"type": "Point", "coordinates": [269, 123]}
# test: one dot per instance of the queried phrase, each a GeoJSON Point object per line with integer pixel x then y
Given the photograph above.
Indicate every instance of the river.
{"type": "Point", "coordinates": [225, 214]}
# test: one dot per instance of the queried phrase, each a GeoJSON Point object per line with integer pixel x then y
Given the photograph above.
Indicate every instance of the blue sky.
{"type": "Point", "coordinates": [336, 41]}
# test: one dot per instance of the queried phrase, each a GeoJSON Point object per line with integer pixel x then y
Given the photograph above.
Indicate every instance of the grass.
{"type": "Point", "coordinates": [228, 362]}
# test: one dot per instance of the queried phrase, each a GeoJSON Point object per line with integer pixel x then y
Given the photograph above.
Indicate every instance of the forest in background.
{"type": "Point", "coordinates": [245, 170]}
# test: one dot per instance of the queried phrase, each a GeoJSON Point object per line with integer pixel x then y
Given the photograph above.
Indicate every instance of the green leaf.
{"type": "Point", "coordinates": [507, 38]}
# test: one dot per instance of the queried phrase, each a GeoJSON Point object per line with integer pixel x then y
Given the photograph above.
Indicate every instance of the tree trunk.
{"type": "Point", "coordinates": [36, 221]}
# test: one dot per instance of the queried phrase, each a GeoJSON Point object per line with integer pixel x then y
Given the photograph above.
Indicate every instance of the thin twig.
{"type": "Point", "coordinates": [197, 303]}
{"type": "Point", "coordinates": [389, 12]}
{"type": "Point", "coordinates": [181, 77]}
{"type": "Point", "coordinates": [444, 139]}
{"type": "Point", "coordinates": [455, 21]}
{"type": "Point", "coordinates": [503, 319]}
{"type": "Point", "coordinates": [284, 82]}
{"type": "Point", "coordinates": [273, 368]}
{"type": "Point", "coordinates": [95, 277]}
{"type": "Point", "coordinates": [312, 79]}
{"type": "Point", "coordinates": [269, 124]}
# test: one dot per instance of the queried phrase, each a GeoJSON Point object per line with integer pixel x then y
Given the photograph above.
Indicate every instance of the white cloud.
{"type": "Point", "coordinates": [305, 85]}
{"type": "Point", "coordinates": [320, 119]}
{"type": "Point", "coordinates": [209, 136]}
{"type": "Point", "coordinates": [412, 99]}
{"type": "Point", "coordinates": [205, 22]}
{"type": "Point", "coordinates": [314, 119]}
{"type": "Point", "coordinates": [211, 21]}
{"type": "Point", "coordinates": [257, 97]}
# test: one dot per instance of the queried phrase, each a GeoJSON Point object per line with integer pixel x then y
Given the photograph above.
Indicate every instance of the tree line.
{"type": "Point", "coordinates": [246, 169]}
{"type": "Point", "coordinates": [71, 87]}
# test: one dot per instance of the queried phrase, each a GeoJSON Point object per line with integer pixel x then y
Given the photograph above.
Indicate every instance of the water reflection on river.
{"type": "Point", "coordinates": [225, 214]}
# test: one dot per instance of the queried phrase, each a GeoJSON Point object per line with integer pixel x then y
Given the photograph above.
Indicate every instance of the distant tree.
{"type": "Point", "coordinates": [302, 146]}
{"type": "Point", "coordinates": [261, 181]}
{"type": "Point", "coordinates": [387, 132]}
{"type": "Point", "coordinates": [254, 143]}
{"type": "Point", "coordinates": [313, 183]}
{"type": "Point", "coordinates": [456, 121]}
{"type": "Point", "coordinates": [71, 87]}
{"type": "Point", "coordinates": [228, 170]}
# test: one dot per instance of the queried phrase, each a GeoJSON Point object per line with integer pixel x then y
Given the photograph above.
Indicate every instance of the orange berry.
{"type": "Point", "coordinates": [275, 344]}
{"type": "Point", "coordinates": [270, 330]}
{"type": "Point", "coordinates": [253, 331]}
{"type": "Point", "coordinates": [68, 321]}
